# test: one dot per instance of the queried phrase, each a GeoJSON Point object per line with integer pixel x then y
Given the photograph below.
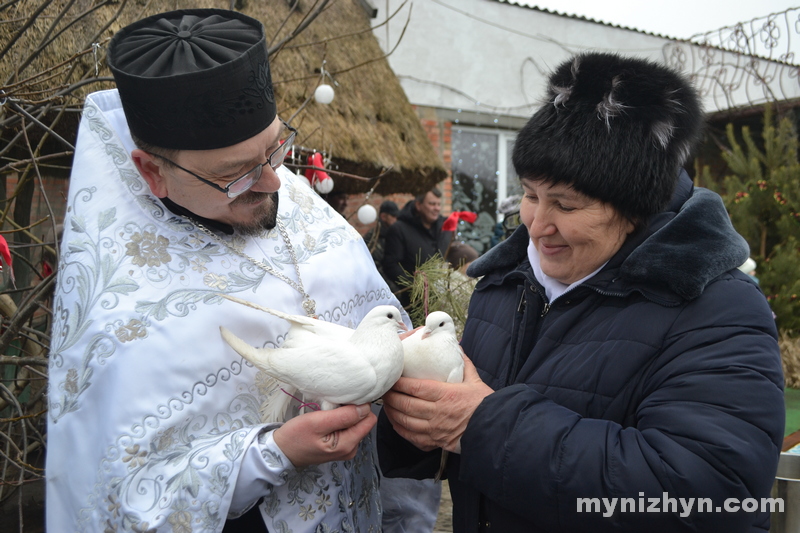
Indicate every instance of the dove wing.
{"type": "Point", "coordinates": [300, 335]}
{"type": "Point", "coordinates": [456, 376]}
{"type": "Point", "coordinates": [451, 364]}
{"type": "Point", "coordinates": [334, 371]}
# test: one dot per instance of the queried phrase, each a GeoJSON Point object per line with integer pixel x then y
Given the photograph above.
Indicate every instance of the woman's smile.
{"type": "Point", "coordinates": [574, 234]}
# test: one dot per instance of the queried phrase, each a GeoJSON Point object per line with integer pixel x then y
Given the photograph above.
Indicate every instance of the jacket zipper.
{"type": "Point", "coordinates": [521, 307]}
{"type": "Point", "coordinates": [546, 307]}
{"type": "Point", "coordinates": [523, 302]}
{"type": "Point", "coordinates": [618, 294]}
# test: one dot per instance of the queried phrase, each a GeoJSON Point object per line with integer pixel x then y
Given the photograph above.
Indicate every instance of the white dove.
{"type": "Point", "coordinates": [433, 352]}
{"type": "Point", "coordinates": [329, 363]}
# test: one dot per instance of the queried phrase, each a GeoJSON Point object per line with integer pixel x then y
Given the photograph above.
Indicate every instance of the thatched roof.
{"type": "Point", "coordinates": [368, 128]}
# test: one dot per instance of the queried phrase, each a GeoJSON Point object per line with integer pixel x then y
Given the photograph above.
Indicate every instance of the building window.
{"type": "Point", "coordinates": [483, 177]}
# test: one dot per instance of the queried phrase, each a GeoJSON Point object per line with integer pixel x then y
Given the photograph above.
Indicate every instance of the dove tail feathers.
{"type": "Point", "coordinates": [278, 399]}
{"type": "Point", "coordinates": [259, 358]}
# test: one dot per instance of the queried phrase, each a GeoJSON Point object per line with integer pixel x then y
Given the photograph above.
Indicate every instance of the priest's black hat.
{"type": "Point", "coordinates": [194, 79]}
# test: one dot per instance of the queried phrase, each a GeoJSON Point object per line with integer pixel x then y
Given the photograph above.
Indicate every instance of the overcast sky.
{"type": "Point", "coordinates": [672, 18]}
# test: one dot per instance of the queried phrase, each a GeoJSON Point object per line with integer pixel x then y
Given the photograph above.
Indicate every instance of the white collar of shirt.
{"type": "Point", "coordinates": [552, 287]}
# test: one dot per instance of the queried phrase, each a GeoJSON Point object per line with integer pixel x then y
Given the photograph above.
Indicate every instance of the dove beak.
{"type": "Point", "coordinates": [425, 334]}
{"type": "Point", "coordinates": [401, 326]}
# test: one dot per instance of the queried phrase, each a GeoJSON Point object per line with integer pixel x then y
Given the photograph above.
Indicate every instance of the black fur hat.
{"type": "Point", "coordinates": [615, 128]}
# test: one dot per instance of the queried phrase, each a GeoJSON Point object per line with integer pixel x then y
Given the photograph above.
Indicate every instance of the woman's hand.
{"type": "Point", "coordinates": [432, 414]}
{"type": "Point", "coordinates": [323, 436]}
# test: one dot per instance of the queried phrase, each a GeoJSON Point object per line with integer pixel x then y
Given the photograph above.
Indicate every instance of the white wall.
{"type": "Point", "coordinates": [493, 58]}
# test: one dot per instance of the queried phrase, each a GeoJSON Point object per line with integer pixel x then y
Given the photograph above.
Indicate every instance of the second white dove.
{"type": "Point", "coordinates": [433, 352]}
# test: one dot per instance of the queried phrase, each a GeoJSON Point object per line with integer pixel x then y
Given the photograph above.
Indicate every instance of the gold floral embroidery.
{"type": "Point", "coordinates": [323, 502]}
{"type": "Point", "coordinates": [181, 518]}
{"type": "Point", "coordinates": [71, 383]}
{"type": "Point", "coordinates": [113, 505]}
{"type": "Point", "coordinates": [149, 249]}
{"type": "Point", "coordinates": [309, 242]}
{"type": "Point", "coordinates": [135, 329]}
{"type": "Point", "coordinates": [135, 458]}
{"type": "Point", "coordinates": [303, 201]}
{"type": "Point", "coordinates": [199, 265]}
{"type": "Point", "coordinates": [144, 527]}
{"type": "Point", "coordinates": [215, 281]}
{"type": "Point", "coordinates": [306, 513]}
{"type": "Point", "coordinates": [166, 440]}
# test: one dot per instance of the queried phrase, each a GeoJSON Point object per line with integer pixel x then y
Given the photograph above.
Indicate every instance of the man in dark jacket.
{"type": "Point", "coordinates": [638, 389]}
{"type": "Point", "coordinates": [376, 237]}
{"type": "Point", "coordinates": [415, 237]}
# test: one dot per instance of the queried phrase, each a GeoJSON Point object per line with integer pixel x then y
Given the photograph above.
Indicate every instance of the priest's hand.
{"type": "Point", "coordinates": [322, 436]}
{"type": "Point", "coordinates": [432, 414]}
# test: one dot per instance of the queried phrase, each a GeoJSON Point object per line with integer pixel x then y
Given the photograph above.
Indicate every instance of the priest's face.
{"type": "Point", "coordinates": [250, 212]}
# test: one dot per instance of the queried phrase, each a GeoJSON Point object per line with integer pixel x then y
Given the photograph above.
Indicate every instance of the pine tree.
{"type": "Point", "coordinates": [763, 199]}
{"type": "Point", "coordinates": [436, 286]}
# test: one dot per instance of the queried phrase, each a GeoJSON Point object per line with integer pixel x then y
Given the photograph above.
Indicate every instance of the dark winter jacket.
{"type": "Point", "coordinates": [409, 244]}
{"type": "Point", "coordinates": [659, 377]}
{"type": "Point", "coordinates": [377, 245]}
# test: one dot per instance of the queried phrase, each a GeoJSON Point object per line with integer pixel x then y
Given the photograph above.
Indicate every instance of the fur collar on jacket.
{"type": "Point", "coordinates": [682, 249]}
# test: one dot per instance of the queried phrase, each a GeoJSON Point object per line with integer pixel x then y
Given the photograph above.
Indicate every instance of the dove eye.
{"type": "Point", "coordinates": [441, 325]}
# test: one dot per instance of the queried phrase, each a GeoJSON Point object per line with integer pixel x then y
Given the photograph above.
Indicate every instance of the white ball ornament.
{"type": "Point", "coordinates": [367, 214]}
{"type": "Point", "coordinates": [323, 186]}
{"type": "Point", "coordinates": [324, 94]}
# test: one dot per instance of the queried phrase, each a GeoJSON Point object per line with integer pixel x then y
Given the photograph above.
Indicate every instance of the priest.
{"type": "Point", "coordinates": [178, 194]}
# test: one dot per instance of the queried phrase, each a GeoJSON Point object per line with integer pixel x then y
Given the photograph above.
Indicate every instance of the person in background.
{"type": "Point", "coordinates": [509, 208]}
{"type": "Point", "coordinates": [337, 200]}
{"type": "Point", "coordinates": [178, 194]}
{"type": "Point", "coordinates": [460, 255]}
{"type": "Point", "coordinates": [376, 237]}
{"type": "Point", "coordinates": [389, 213]}
{"type": "Point", "coordinates": [749, 268]}
{"type": "Point", "coordinates": [620, 356]}
{"type": "Point", "coordinates": [415, 237]}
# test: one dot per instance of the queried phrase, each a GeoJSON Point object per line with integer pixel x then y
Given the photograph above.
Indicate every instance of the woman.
{"type": "Point", "coordinates": [623, 367]}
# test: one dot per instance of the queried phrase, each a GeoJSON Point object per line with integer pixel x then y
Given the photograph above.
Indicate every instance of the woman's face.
{"type": "Point", "coordinates": [574, 234]}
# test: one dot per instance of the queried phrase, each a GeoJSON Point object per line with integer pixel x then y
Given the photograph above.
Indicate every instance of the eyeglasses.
{"type": "Point", "coordinates": [244, 183]}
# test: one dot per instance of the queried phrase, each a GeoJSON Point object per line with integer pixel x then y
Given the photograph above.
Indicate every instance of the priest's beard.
{"type": "Point", "coordinates": [264, 218]}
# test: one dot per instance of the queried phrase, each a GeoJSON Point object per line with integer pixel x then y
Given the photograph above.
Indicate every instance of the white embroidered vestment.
{"type": "Point", "coordinates": [151, 412]}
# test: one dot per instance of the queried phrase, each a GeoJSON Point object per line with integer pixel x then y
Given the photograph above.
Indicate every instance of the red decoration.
{"type": "Point", "coordinates": [452, 221]}
{"type": "Point", "coordinates": [319, 179]}
{"type": "Point", "coordinates": [5, 257]}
